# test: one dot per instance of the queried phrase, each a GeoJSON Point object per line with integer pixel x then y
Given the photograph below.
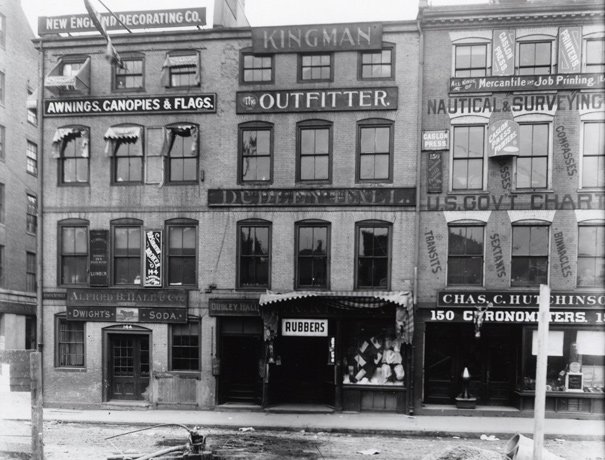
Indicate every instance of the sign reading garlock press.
{"type": "Point", "coordinates": [184, 17]}
{"type": "Point", "coordinates": [309, 38]}
{"type": "Point", "coordinates": [130, 105]}
{"type": "Point", "coordinates": [304, 327]}
{"type": "Point", "coordinates": [317, 100]}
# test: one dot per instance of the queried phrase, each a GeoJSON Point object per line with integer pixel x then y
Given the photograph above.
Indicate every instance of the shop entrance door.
{"type": "Point", "coordinates": [128, 366]}
{"type": "Point", "coordinates": [490, 359]}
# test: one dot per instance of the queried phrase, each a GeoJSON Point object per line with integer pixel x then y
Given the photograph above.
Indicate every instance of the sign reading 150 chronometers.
{"type": "Point", "coordinates": [317, 100]}
{"type": "Point", "coordinates": [129, 105]}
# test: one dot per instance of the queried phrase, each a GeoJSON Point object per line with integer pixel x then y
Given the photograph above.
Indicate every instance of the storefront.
{"type": "Point", "coordinates": [492, 335]}
{"type": "Point", "coordinates": [345, 350]}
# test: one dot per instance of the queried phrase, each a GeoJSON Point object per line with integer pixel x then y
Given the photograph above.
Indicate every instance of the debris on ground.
{"type": "Point", "coordinates": [465, 453]}
{"type": "Point", "coordinates": [368, 452]}
{"type": "Point", "coordinates": [246, 428]}
{"type": "Point", "coordinates": [491, 437]}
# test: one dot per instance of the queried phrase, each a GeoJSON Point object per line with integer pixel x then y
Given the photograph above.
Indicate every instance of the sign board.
{"type": "Point", "coordinates": [527, 83]}
{"type": "Point", "coordinates": [127, 314]}
{"type": "Point", "coordinates": [517, 315]}
{"type": "Point", "coordinates": [574, 381]}
{"type": "Point", "coordinates": [316, 38]}
{"type": "Point", "coordinates": [99, 261]}
{"type": "Point", "coordinates": [570, 49]}
{"type": "Point", "coordinates": [503, 138]}
{"type": "Point", "coordinates": [434, 172]}
{"type": "Point", "coordinates": [317, 100]}
{"type": "Point", "coordinates": [304, 327]}
{"type": "Point", "coordinates": [503, 52]}
{"type": "Point", "coordinates": [520, 299]}
{"type": "Point", "coordinates": [233, 307]}
{"type": "Point", "coordinates": [153, 259]}
{"type": "Point", "coordinates": [130, 105]}
{"type": "Point", "coordinates": [166, 298]}
{"type": "Point", "coordinates": [436, 140]}
{"type": "Point", "coordinates": [183, 17]}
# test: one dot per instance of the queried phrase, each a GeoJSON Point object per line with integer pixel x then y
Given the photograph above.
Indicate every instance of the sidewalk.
{"type": "Point", "coordinates": [377, 423]}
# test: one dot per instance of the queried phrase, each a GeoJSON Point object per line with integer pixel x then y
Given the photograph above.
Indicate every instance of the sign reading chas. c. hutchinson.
{"type": "Point", "coordinates": [317, 100]}
{"type": "Point", "coordinates": [327, 37]}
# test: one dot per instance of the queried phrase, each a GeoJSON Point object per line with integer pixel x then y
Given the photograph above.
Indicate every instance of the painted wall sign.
{"type": "Point", "coordinates": [519, 315]}
{"type": "Point", "coordinates": [570, 49]}
{"type": "Point", "coordinates": [520, 299]}
{"type": "Point", "coordinates": [130, 105]}
{"type": "Point", "coordinates": [308, 197]}
{"type": "Point", "coordinates": [436, 140]}
{"type": "Point", "coordinates": [153, 259]}
{"type": "Point", "coordinates": [503, 138]}
{"type": "Point", "coordinates": [306, 38]}
{"type": "Point", "coordinates": [235, 307]}
{"type": "Point", "coordinates": [54, 295]}
{"type": "Point", "coordinates": [99, 259]}
{"type": "Point", "coordinates": [127, 315]}
{"type": "Point", "coordinates": [528, 82]}
{"type": "Point", "coordinates": [182, 17]}
{"type": "Point", "coordinates": [304, 327]}
{"type": "Point", "coordinates": [503, 52]}
{"type": "Point", "coordinates": [317, 100]}
{"type": "Point", "coordinates": [127, 297]}
{"type": "Point", "coordinates": [434, 172]}
{"type": "Point", "coordinates": [512, 201]}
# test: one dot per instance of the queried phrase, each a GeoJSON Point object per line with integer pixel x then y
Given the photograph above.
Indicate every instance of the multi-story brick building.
{"type": "Point", "coordinates": [18, 194]}
{"type": "Point", "coordinates": [511, 197]}
{"type": "Point", "coordinates": [233, 214]}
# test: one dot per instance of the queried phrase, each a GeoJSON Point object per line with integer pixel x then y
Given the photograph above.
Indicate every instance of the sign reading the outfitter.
{"type": "Point", "coordinates": [304, 327]}
{"type": "Point", "coordinates": [317, 100]}
{"type": "Point", "coordinates": [195, 103]}
{"type": "Point", "coordinates": [183, 17]}
{"type": "Point", "coordinates": [330, 37]}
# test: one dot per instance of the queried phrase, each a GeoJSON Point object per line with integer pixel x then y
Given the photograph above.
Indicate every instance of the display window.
{"type": "Point", "coordinates": [372, 354]}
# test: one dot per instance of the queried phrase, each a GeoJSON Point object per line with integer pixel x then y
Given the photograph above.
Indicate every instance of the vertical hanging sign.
{"type": "Point", "coordinates": [570, 49]}
{"type": "Point", "coordinates": [153, 258]}
{"type": "Point", "coordinates": [435, 172]}
{"type": "Point", "coordinates": [99, 263]}
{"type": "Point", "coordinates": [503, 52]}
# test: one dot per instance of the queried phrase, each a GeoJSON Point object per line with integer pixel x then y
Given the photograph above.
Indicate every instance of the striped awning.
{"type": "Point", "coordinates": [79, 82]}
{"type": "Point", "coordinates": [181, 61]}
{"type": "Point", "coordinates": [361, 298]}
{"type": "Point", "coordinates": [122, 132]}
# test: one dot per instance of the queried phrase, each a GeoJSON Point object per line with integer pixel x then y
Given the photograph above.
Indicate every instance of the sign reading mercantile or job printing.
{"type": "Point", "coordinates": [317, 100]}
{"type": "Point", "coordinates": [308, 38]}
{"type": "Point", "coordinates": [183, 17]}
{"type": "Point", "coordinates": [312, 197]}
{"type": "Point", "coordinates": [130, 105]}
{"type": "Point", "coordinates": [528, 83]}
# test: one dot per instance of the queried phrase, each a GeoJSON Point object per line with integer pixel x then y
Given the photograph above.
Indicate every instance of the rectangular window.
{"type": "Point", "coordinates": [468, 145]}
{"type": "Point", "coordinates": [70, 343]}
{"type": "Point", "coordinates": [32, 107]}
{"type": "Point", "coordinates": [372, 255]}
{"type": "Point", "coordinates": [31, 214]}
{"type": "Point", "coordinates": [185, 347]}
{"type": "Point", "coordinates": [181, 255]}
{"type": "Point", "coordinates": [315, 149]}
{"type": "Point", "coordinates": [470, 61]}
{"type": "Point", "coordinates": [2, 88]}
{"type": "Point", "coordinates": [465, 255]}
{"type": "Point", "coordinates": [532, 162]}
{"type": "Point", "coordinates": [2, 266]}
{"type": "Point", "coordinates": [2, 142]}
{"type": "Point", "coordinates": [181, 70]}
{"type": "Point", "coordinates": [593, 154]}
{"type": "Point", "coordinates": [2, 30]}
{"type": "Point", "coordinates": [529, 263]}
{"type": "Point", "coordinates": [595, 56]}
{"type": "Point", "coordinates": [312, 253]}
{"type": "Point", "coordinates": [535, 58]}
{"type": "Point", "coordinates": [154, 160]}
{"type": "Point", "coordinates": [130, 76]}
{"type": "Point", "coordinates": [591, 256]}
{"type": "Point", "coordinates": [73, 147]}
{"type": "Point", "coordinates": [2, 203]}
{"type": "Point", "coordinates": [30, 333]}
{"type": "Point", "coordinates": [32, 158]}
{"type": "Point", "coordinates": [254, 255]}
{"type": "Point", "coordinates": [128, 160]}
{"type": "Point", "coordinates": [377, 65]}
{"type": "Point", "coordinates": [30, 272]}
{"type": "Point", "coordinates": [316, 67]}
{"type": "Point", "coordinates": [256, 151]}
{"type": "Point", "coordinates": [375, 144]}
{"type": "Point", "coordinates": [183, 154]}
{"type": "Point", "coordinates": [127, 255]}
{"type": "Point", "coordinates": [257, 69]}
{"type": "Point", "coordinates": [74, 255]}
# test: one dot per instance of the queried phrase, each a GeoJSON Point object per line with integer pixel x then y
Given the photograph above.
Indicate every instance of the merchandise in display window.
{"type": "Point", "coordinates": [373, 355]}
{"type": "Point", "coordinates": [576, 361]}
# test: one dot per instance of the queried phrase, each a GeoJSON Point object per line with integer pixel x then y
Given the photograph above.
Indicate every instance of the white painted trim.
{"type": "Point", "coordinates": [520, 215]}
{"type": "Point", "coordinates": [454, 216]}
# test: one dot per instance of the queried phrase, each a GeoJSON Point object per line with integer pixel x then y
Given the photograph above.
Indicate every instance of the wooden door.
{"type": "Point", "coordinates": [128, 366]}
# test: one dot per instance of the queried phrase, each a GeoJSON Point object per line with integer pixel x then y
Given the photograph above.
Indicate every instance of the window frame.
{"type": "Point", "coordinates": [585, 64]}
{"type": "Point", "coordinates": [600, 226]}
{"type": "Point", "coordinates": [2, 267]}
{"type": "Point", "coordinates": [386, 46]}
{"type": "Point", "coordinates": [242, 67]}
{"type": "Point", "coordinates": [115, 74]}
{"type": "Point", "coordinates": [530, 224]}
{"type": "Point", "coordinates": [470, 69]}
{"type": "Point", "coordinates": [31, 158]}
{"type": "Point", "coordinates": [2, 203]}
{"type": "Point", "coordinates": [72, 223]}
{"type": "Point", "coordinates": [31, 214]}
{"type": "Point", "coordinates": [253, 223]}
{"type": "Point", "coordinates": [300, 74]}
{"type": "Point", "coordinates": [467, 159]}
{"type": "Point", "coordinates": [2, 31]}
{"type": "Point", "coordinates": [126, 223]}
{"type": "Point", "coordinates": [30, 271]}
{"type": "Point", "coordinates": [154, 152]}
{"type": "Point", "coordinates": [466, 255]}
{"type": "Point", "coordinates": [61, 318]}
{"type": "Point", "coordinates": [548, 156]}
{"type": "Point", "coordinates": [314, 125]}
{"type": "Point", "coordinates": [534, 41]}
{"type": "Point", "coordinates": [311, 223]}
{"type": "Point", "coordinates": [32, 113]}
{"type": "Point", "coordinates": [583, 155]}
{"type": "Point", "coordinates": [62, 159]}
{"type": "Point", "coordinates": [169, 158]}
{"type": "Point", "coordinates": [374, 123]}
{"type": "Point", "coordinates": [115, 158]}
{"type": "Point", "coordinates": [196, 74]}
{"type": "Point", "coordinates": [181, 223]}
{"type": "Point", "coordinates": [254, 126]}
{"type": "Point", "coordinates": [2, 87]}
{"type": "Point", "coordinates": [171, 346]}
{"type": "Point", "coordinates": [2, 143]}
{"type": "Point", "coordinates": [373, 224]}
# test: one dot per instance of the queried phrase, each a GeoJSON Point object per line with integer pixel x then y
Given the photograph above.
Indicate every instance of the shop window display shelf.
{"type": "Point", "coordinates": [374, 398]}
{"type": "Point", "coordinates": [564, 401]}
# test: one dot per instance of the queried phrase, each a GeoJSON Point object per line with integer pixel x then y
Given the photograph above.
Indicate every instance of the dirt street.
{"type": "Point", "coordinates": [66, 441]}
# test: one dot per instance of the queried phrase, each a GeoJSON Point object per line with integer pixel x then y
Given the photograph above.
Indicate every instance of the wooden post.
{"type": "Point", "coordinates": [35, 368]}
{"type": "Point", "coordinates": [541, 362]}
